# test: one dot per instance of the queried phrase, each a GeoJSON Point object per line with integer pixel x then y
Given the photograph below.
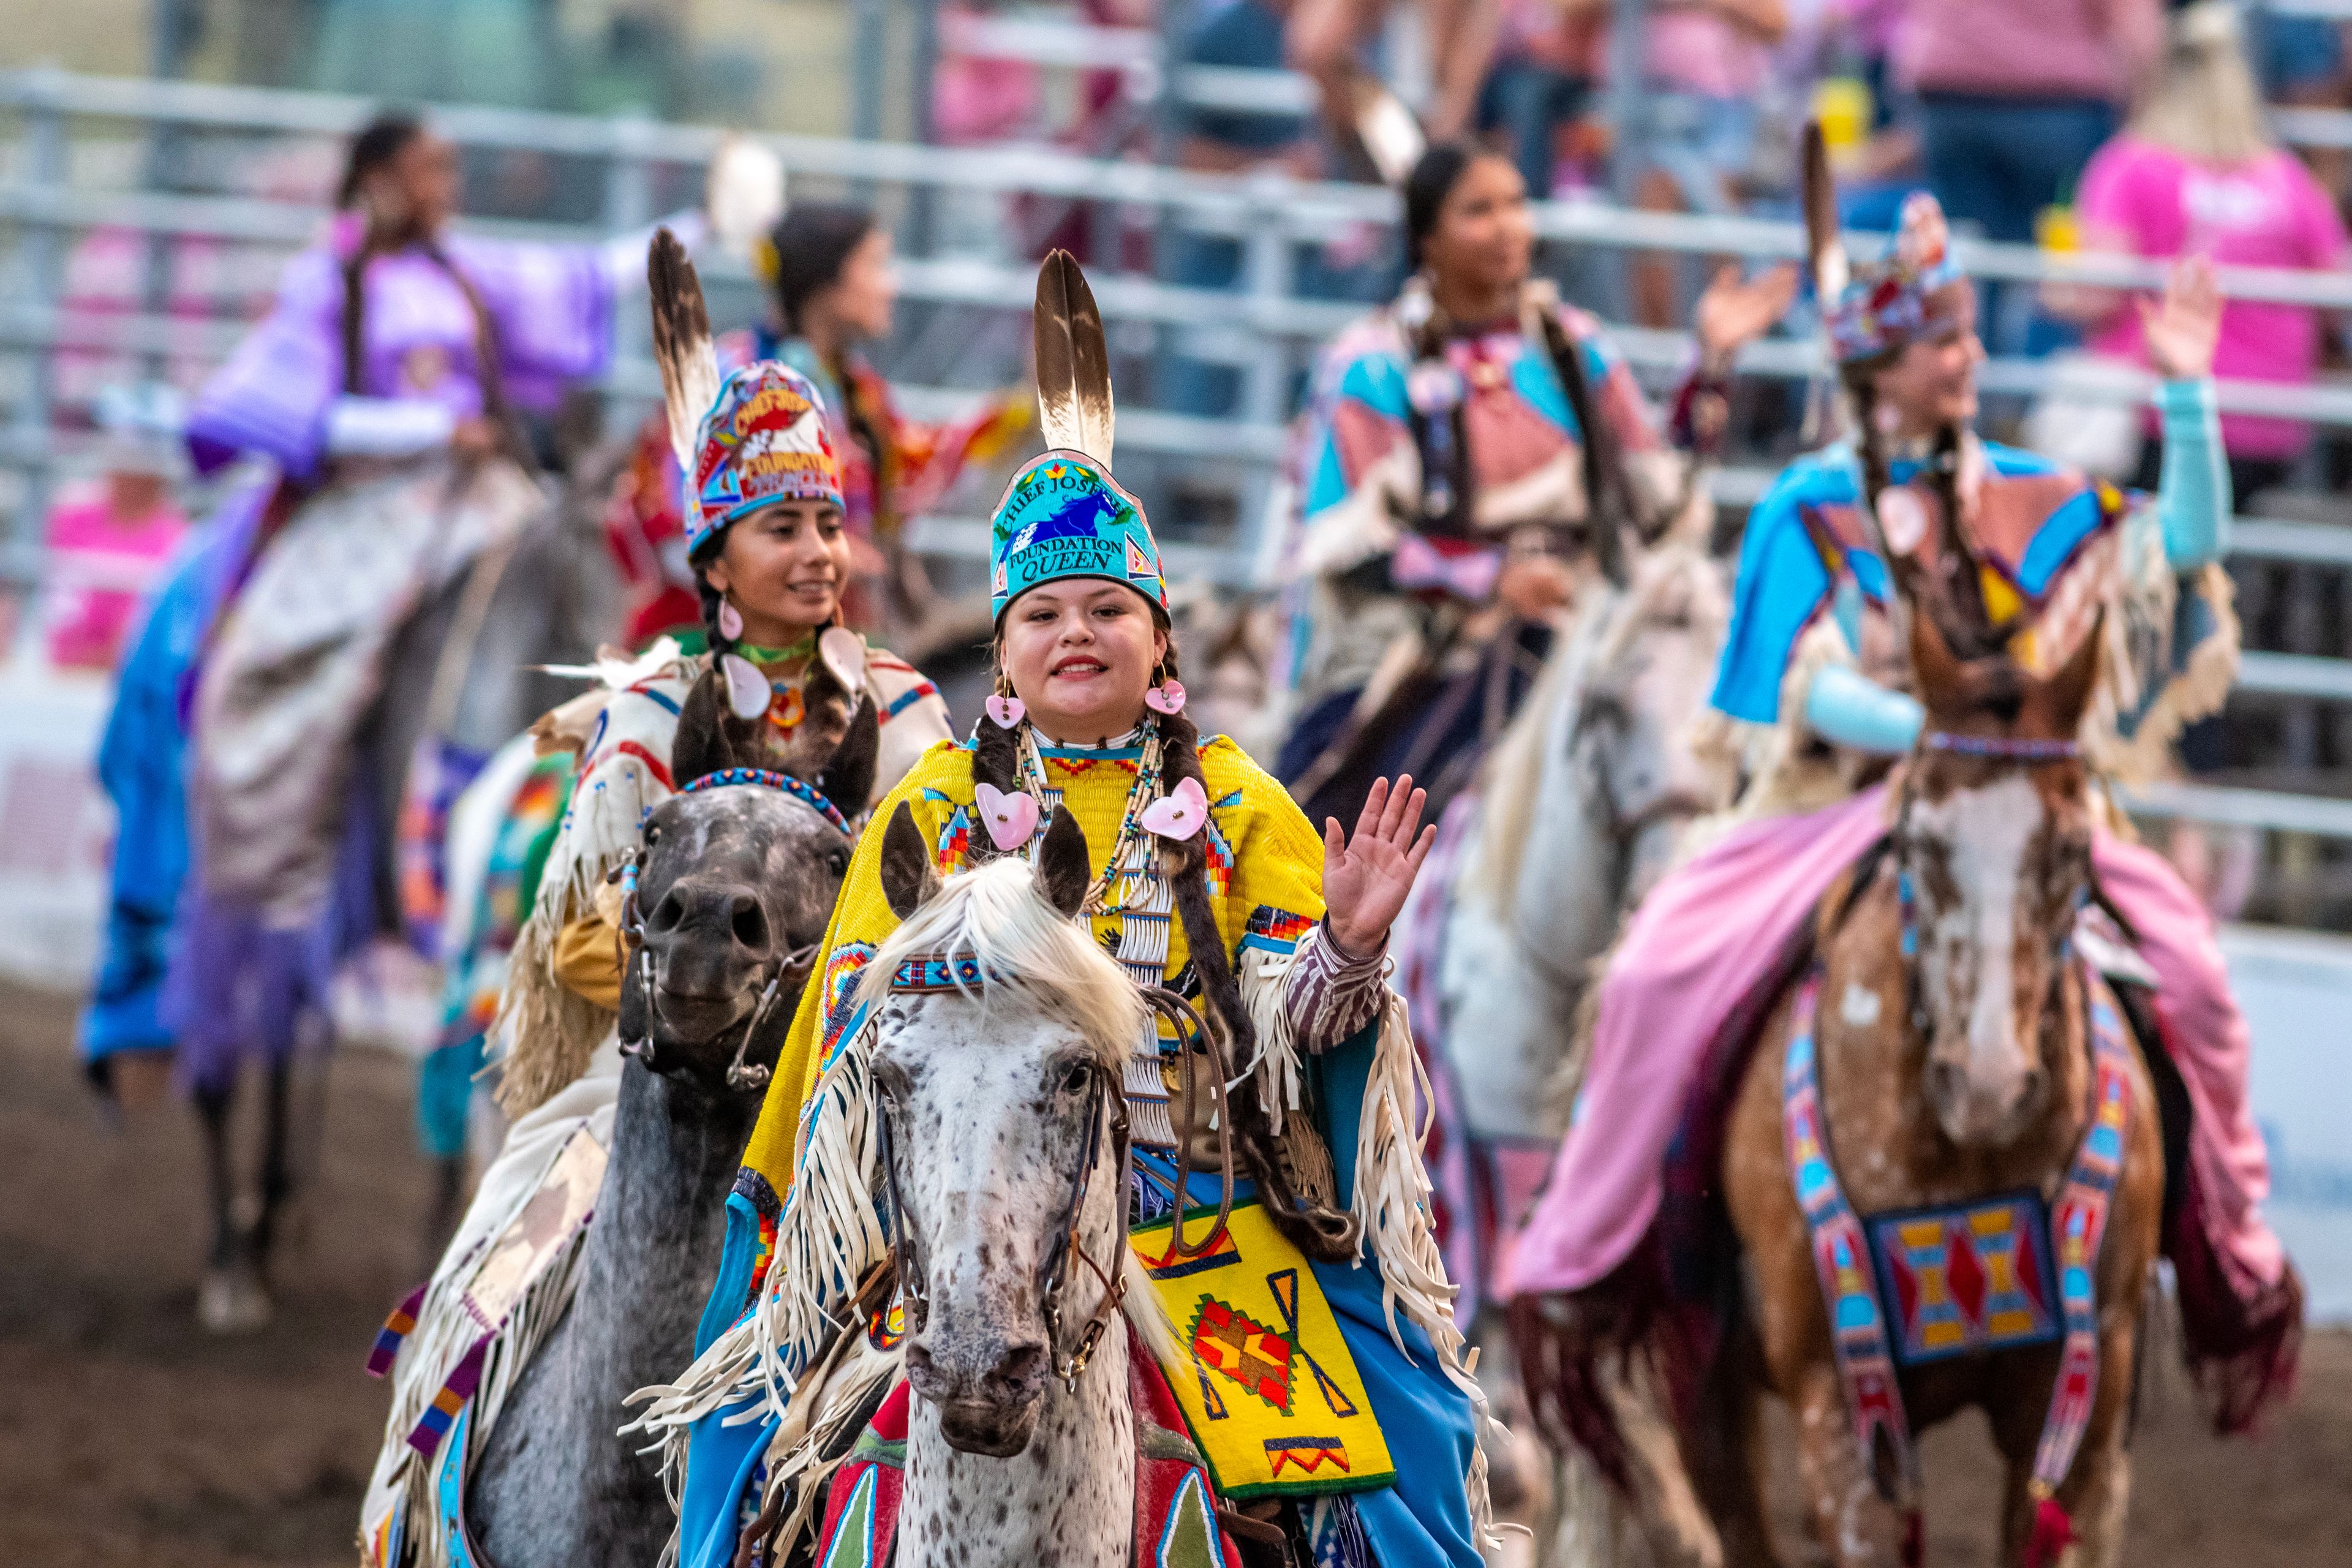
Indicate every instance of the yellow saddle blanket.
{"type": "Point", "coordinates": [1266, 1382]}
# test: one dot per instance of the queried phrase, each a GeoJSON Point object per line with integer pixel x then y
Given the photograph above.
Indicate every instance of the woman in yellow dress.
{"type": "Point", "coordinates": [1209, 881]}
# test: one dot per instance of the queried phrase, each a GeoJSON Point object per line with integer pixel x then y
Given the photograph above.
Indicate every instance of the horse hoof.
{"type": "Point", "coordinates": [232, 1301]}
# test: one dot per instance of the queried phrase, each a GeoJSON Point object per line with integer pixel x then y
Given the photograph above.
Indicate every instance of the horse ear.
{"type": "Point", "coordinates": [846, 779]}
{"type": "Point", "coordinates": [1064, 868]}
{"type": "Point", "coordinates": [2062, 699]}
{"type": "Point", "coordinates": [708, 739]}
{"type": "Point", "coordinates": [909, 879]}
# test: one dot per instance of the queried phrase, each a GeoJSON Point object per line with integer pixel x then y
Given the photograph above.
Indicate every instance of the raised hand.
{"type": "Point", "coordinates": [1366, 876]}
{"type": "Point", "coordinates": [1737, 311]}
{"type": "Point", "coordinates": [2181, 329]}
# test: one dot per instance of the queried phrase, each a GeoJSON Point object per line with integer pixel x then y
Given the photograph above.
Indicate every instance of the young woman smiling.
{"type": "Point", "coordinates": [767, 542]}
{"type": "Point", "coordinates": [1210, 881]}
{"type": "Point", "coordinates": [2037, 559]}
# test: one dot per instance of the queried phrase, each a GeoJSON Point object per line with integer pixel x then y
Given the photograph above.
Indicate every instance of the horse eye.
{"type": "Point", "coordinates": [838, 862]}
{"type": "Point", "coordinates": [1076, 1076]}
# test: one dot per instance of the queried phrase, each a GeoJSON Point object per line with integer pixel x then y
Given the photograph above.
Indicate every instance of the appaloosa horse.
{"type": "Point", "coordinates": [1005, 1156]}
{"type": "Point", "coordinates": [734, 886]}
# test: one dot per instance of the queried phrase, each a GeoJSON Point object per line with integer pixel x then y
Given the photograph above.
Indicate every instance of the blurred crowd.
{"type": "Point", "coordinates": [2079, 125]}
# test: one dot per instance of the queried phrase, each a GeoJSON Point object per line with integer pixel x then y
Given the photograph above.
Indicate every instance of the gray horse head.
{"type": "Point", "coordinates": [999, 1090]}
{"type": "Point", "coordinates": [736, 880]}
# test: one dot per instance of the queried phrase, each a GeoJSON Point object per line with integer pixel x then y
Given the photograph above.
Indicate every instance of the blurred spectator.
{"type": "Point", "coordinates": [2196, 173]}
{"type": "Point", "coordinates": [1540, 83]}
{"type": "Point", "coordinates": [1327, 39]}
{"type": "Point", "coordinates": [1244, 35]}
{"type": "Point", "coordinates": [2015, 96]}
{"type": "Point", "coordinates": [106, 543]}
{"type": "Point", "coordinates": [1703, 66]}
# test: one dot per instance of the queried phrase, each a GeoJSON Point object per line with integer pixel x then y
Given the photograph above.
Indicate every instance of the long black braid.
{"type": "Point", "coordinates": [1322, 1231]}
{"type": "Point", "coordinates": [374, 148]}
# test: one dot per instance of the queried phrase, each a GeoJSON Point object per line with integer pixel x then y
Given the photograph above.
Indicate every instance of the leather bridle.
{"type": "Point", "coordinates": [1106, 1107]}
{"type": "Point", "coordinates": [744, 1075]}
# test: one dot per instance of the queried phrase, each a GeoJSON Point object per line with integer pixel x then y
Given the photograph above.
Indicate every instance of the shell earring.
{"type": "Point", "coordinates": [730, 620]}
{"type": "Point", "coordinates": [1167, 698]}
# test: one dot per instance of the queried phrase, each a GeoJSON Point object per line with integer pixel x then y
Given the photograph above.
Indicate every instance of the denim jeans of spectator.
{"type": "Point", "coordinates": [1200, 386]}
{"type": "Point", "coordinates": [1528, 103]}
{"type": "Point", "coordinates": [1213, 391]}
{"type": "Point", "coordinates": [1995, 162]}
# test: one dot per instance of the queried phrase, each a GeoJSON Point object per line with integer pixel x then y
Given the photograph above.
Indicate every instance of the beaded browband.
{"type": "Point", "coordinates": [773, 780]}
{"type": "Point", "coordinates": [2007, 747]}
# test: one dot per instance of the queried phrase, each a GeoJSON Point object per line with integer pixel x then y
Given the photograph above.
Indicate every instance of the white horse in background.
{"type": "Point", "coordinates": [1581, 808]}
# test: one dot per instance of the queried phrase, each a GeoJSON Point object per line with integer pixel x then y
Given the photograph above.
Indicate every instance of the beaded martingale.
{"type": "Point", "coordinates": [1863, 1347]}
{"type": "Point", "coordinates": [768, 777]}
{"type": "Point", "coordinates": [2004, 748]}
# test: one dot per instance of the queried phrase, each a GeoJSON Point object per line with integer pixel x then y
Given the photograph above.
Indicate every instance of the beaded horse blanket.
{"type": "Point", "coordinates": [1176, 1521]}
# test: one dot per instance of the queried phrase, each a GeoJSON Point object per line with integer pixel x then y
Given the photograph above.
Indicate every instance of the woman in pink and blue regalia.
{"type": "Point", "coordinates": [1812, 687]}
{"type": "Point", "coordinates": [1468, 453]}
{"type": "Point", "coordinates": [383, 398]}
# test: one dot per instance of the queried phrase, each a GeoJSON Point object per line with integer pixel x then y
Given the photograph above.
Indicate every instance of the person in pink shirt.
{"type": "Point", "coordinates": [106, 542]}
{"type": "Point", "coordinates": [2196, 173]}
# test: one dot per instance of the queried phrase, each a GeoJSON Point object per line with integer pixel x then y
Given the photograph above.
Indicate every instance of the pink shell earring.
{"type": "Point", "coordinates": [1010, 818]}
{"type": "Point", "coordinates": [1006, 711]}
{"type": "Point", "coordinates": [1167, 698]}
{"type": "Point", "coordinates": [730, 620]}
{"type": "Point", "coordinates": [842, 652]}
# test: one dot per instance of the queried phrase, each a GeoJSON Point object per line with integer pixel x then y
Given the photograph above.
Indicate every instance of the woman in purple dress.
{"type": "Point", "coordinates": [405, 540]}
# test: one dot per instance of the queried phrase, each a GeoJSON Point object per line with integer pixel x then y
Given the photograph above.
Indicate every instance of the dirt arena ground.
{"type": "Point", "coordinates": [128, 1437]}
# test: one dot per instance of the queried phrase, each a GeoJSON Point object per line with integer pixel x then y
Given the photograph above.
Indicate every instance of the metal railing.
{"type": "Point", "coordinates": [1264, 330]}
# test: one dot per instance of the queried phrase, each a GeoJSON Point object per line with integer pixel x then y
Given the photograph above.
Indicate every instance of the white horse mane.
{"type": "Point", "coordinates": [1026, 949]}
{"type": "Point", "coordinates": [1673, 576]}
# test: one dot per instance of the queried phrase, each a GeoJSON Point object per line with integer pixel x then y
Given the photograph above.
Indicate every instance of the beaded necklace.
{"type": "Point", "coordinates": [1131, 838]}
{"type": "Point", "coordinates": [763, 656]}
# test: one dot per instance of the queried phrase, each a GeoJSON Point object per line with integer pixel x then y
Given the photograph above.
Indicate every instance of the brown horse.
{"type": "Point", "coordinates": [1962, 1072]}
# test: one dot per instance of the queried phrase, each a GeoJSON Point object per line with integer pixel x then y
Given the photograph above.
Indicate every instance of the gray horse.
{"type": "Point", "coordinates": [735, 885]}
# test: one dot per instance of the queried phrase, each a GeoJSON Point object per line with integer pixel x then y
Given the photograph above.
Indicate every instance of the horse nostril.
{"type": "Point", "coordinates": [2030, 1087]}
{"type": "Point", "coordinates": [1019, 1365]}
{"type": "Point", "coordinates": [666, 914]}
{"type": "Point", "coordinates": [749, 923]}
{"type": "Point", "coordinates": [1944, 1083]}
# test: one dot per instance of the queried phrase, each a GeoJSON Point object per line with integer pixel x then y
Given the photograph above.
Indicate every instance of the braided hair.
{"type": "Point", "coordinates": [1969, 626]}
{"type": "Point", "coordinates": [377, 146]}
{"type": "Point", "coordinates": [1321, 1231]}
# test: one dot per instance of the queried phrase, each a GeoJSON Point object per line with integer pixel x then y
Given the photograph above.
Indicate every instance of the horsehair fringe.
{"type": "Point", "coordinates": [828, 1238]}
{"type": "Point", "coordinates": [1074, 397]}
{"type": "Point", "coordinates": [545, 1032]}
{"type": "Point", "coordinates": [444, 1328]}
{"type": "Point", "coordinates": [682, 345]}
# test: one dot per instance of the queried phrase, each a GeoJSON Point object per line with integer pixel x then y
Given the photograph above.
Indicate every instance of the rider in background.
{"type": "Point", "coordinates": [387, 384]}
{"type": "Point", "coordinates": [772, 563]}
{"type": "Point", "coordinates": [1814, 681]}
{"type": "Point", "coordinates": [1090, 715]}
{"type": "Point", "coordinates": [1467, 453]}
{"type": "Point", "coordinates": [836, 289]}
